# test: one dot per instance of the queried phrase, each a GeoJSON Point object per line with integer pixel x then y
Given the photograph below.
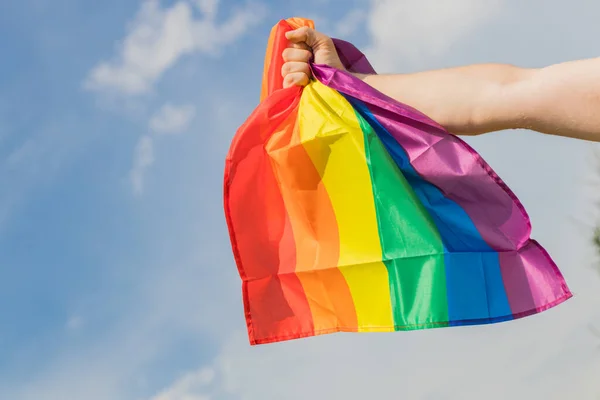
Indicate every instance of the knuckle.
{"type": "Point", "coordinates": [288, 80]}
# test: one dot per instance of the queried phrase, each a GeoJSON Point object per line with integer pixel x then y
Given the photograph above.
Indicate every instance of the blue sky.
{"type": "Point", "coordinates": [116, 275]}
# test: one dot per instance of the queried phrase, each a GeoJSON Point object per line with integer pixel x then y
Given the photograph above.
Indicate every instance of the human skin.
{"type": "Point", "coordinates": [561, 99]}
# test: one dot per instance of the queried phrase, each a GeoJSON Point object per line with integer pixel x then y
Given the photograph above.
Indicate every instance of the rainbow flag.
{"type": "Point", "coordinates": [350, 212]}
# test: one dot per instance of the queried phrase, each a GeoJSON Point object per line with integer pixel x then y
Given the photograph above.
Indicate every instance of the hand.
{"type": "Point", "coordinates": [307, 43]}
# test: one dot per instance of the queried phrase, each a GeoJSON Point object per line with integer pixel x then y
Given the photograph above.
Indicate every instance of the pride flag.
{"type": "Point", "coordinates": [350, 212]}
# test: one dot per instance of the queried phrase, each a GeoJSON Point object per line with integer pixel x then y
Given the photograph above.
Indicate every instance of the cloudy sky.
{"type": "Point", "coordinates": [116, 275]}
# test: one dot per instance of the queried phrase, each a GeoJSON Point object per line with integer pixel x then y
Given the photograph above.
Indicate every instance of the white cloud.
{"type": "Point", "coordinates": [143, 158]}
{"type": "Point", "coordinates": [416, 30]}
{"type": "Point", "coordinates": [158, 37]}
{"type": "Point", "coordinates": [172, 118]}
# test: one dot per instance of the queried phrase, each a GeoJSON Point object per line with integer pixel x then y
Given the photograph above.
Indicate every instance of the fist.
{"type": "Point", "coordinates": [306, 44]}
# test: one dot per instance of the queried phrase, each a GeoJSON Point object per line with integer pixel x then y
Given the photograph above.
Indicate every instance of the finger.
{"type": "Point", "coordinates": [295, 78]}
{"type": "Point", "coordinates": [301, 55]}
{"type": "Point", "coordinates": [293, 67]}
{"type": "Point", "coordinates": [303, 34]}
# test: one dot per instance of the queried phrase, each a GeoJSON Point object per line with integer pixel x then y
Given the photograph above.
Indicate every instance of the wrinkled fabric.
{"type": "Point", "coordinates": [351, 212]}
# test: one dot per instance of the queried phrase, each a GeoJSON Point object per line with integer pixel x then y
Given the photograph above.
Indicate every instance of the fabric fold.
{"type": "Point", "coordinates": [351, 212]}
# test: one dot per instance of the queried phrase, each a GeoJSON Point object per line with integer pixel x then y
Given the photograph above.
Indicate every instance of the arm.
{"type": "Point", "coordinates": [562, 99]}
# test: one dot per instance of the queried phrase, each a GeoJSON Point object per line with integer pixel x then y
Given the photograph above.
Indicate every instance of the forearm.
{"type": "Point", "coordinates": [456, 97]}
{"type": "Point", "coordinates": [563, 99]}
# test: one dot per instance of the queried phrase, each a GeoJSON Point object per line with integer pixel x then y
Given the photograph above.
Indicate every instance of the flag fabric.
{"type": "Point", "coordinates": [351, 212]}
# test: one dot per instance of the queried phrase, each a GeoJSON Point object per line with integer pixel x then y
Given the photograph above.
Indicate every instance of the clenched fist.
{"type": "Point", "coordinates": [307, 44]}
